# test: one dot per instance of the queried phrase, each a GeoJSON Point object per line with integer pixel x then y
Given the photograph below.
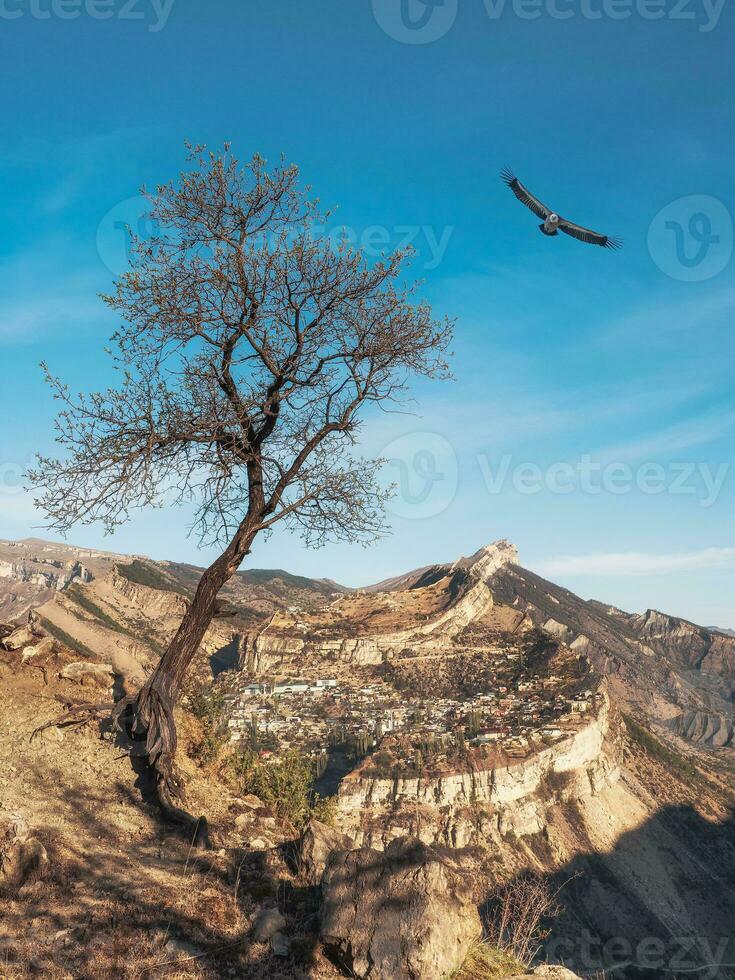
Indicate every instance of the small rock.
{"type": "Point", "coordinates": [46, 646]}
{"type": "Point", "coordinates": [244, 821]}
{"type": "Point", "coordinates": [19, 638]}
{"type": "Point", "coordinates": [251, 802]}
{"type": "Point", "coordinates": [180, 947]}
{"type": "Point", "coordinates": [258, 844]}
{"type": "Point", "coordinates": [22, 859]}
{"type": "Point", "coordinates": [280, 944]}
{"type": "Point", "coordinates": [82, 671]}
{"type": "Point", "coordinates": [268, 922]}
{"type": "Point", "coordinates": [53, 734]}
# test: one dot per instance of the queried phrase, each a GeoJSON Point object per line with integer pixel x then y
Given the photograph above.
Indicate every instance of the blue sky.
{"type": "Point", "coordinates": [592, 416]}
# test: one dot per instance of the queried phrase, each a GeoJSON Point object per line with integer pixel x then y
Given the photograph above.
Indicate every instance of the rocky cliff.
{"type": "Point", "coordinates": [479, 805]}
{"type": "Point", "coordinates": [466, 582]}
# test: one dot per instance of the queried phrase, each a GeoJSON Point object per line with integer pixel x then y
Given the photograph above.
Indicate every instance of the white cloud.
{"type": "Point", "coordinates": [675, 438]}
{"type": "Point", "coordinates": [637, 563]}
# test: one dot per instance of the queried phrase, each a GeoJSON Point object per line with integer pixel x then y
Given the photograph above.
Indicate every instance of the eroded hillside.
{"type": "Point", "coordinates": [472, 707]}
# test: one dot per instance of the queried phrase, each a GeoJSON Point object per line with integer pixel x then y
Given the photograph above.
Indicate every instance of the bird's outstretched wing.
{"type": "Point", "coordinates": [525, 196]}
{"type": "Point", "coordinates": [585, 235]}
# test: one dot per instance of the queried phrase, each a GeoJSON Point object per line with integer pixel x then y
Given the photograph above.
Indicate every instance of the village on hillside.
{"type": "Point", "coordinates": [459, 707]}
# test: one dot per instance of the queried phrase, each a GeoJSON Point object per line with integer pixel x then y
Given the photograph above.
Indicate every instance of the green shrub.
{"type": "Point", "coordinates": [141, 573]}
{"type": "Point", "coordinates": [81, 598]}
{"type": "Point", "coordinates": [208, 707]}
{"type": "Point", "coordinates": [66, 640]}
{"type": "Point", "coordinates": [286, 784]}
{"type": "Point", "coordinates": [657, 750]}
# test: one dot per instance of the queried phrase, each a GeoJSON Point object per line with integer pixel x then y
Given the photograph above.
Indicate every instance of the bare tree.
{"type": "Point", "coordinates": [249, 346]}
{"type": "Point", "coordinates": [521, 908]}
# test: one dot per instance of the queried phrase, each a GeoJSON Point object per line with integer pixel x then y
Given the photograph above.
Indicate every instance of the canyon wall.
{"type": "Point", "coordinates": [465, 808]}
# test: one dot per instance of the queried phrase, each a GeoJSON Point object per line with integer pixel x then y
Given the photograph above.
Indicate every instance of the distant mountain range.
{"type": "Point", "coordinates": [662, 666]}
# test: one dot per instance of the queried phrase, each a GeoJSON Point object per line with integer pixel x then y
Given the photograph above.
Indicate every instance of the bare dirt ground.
{"type": "Point", "coordinates": [124, 895]}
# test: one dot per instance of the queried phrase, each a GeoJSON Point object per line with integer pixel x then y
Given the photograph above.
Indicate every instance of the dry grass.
{"type": "Point", "coordinates": [487, 962]}
{"type": "Point", "coordinates": [120, 884]}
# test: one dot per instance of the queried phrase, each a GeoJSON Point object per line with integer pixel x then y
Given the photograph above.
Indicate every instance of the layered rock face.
{"type": "Point", "coordinates": [463, 808]}
{"type": "Point", "coordinates": [677, 674]}
{"type": "Point", "coordinates": [286, 638]}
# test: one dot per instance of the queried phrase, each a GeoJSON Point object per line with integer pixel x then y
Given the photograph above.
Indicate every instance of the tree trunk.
{"type": "Point", "coordinates": [148, 717]}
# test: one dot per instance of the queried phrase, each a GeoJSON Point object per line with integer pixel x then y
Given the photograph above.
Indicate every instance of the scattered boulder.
{"type": "Point", "coordinates": [407, 911]}
{"type": "Point", "coordinates": [19, 638]}
{"type": "Point", "coordinates": [280, 944]}
{"type": "Point", "coordinates": [268, 922]}
{"type": "Point", "coordinates": [546, 973]}
{"type": "Point", "coordinates": [21, 859]}
{"type": "Point", "coordinates": [88, 672]}
{"type": "Point", "coordinates": [317, 842]}
{"type": "Point", "coordinates": [46, 646]}
{"type": "Point", "coordinates": [178, 948]}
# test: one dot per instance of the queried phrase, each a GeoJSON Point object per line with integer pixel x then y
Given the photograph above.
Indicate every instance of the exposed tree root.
{"type": "Point", "coordinates": [147, 721]}
{"type": "Point", "coordinates": [75, 714]}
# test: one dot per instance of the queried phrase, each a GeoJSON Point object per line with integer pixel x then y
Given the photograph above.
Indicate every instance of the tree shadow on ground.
{"type": "Point", "coordinates": [131, 900]}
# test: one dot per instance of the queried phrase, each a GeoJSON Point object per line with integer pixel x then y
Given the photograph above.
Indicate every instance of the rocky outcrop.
{"type": "Point", "coordinates": [405, 912]}
{"type": "Point", "coordinates": [703, 727]}
{"type": "Point", "coordinates": [20, 638]}
{"type": "Point", "coordinates": [462, 808]}
{"type": "Point", "coordinates": [46, 575]}
{"type": "Point", "coordinates": [317, 843]}
{"type": "Point", "coordinates": [271, 646]}
{"type": "Point", "coordinates": [89, 672]}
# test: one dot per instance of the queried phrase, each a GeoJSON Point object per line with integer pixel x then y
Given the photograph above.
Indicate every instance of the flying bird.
{"type": "Point", "coordinates": [554, 223]}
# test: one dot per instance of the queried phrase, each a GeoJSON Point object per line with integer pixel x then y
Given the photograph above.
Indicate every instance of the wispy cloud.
{"type": "Point", "coordinates": [655, 323]}
{"type": "Point", "coordinates": [674, 438]}
{"type": "Point", "coordinates": [47, 288]}
{"type": "Point", "coordinates": [637, 563]}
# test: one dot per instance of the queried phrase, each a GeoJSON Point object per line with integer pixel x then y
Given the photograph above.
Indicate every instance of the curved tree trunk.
{"type": "Point", "coordinates": [148, 716]}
